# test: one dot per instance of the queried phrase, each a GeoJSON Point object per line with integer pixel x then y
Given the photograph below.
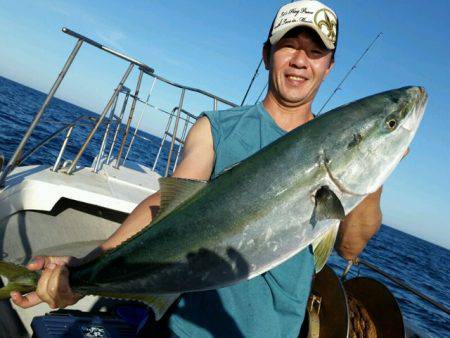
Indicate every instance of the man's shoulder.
{"type": "Point", "coordinates": [235, 112]}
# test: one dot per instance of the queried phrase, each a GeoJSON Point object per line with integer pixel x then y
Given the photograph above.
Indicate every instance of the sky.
{"type": "Point", "coordinates": [216, 45]}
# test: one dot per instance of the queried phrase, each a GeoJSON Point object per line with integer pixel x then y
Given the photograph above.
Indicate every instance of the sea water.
{"type": "Point", "coordinates": [421, 264]}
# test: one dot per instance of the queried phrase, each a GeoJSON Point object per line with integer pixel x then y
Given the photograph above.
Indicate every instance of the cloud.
{"type": "Point", "coordinates": [111, 38]}
{"type": "Point", "coordinates": [108, 34]}
{"type": "Point", "coordinates": [58, 7]}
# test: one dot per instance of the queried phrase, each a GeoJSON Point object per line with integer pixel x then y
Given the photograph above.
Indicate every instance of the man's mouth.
{"type": "Point", "coordinates": [296, 78]}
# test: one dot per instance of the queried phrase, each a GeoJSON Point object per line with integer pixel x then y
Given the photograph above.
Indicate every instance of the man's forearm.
{"type": "Point", "coordinates": [359, 226]}
{"type": "Point", "coordinates": [140, 217]}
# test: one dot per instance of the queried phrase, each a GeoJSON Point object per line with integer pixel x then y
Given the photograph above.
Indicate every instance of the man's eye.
{"type": "Point", "coordinates": [316, 51]}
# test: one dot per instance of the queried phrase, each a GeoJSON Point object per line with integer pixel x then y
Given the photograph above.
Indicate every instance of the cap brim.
{"type": "Point", "coordinates": [280, 33]}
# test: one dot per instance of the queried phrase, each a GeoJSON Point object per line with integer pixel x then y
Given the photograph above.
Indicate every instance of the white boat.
{"type": "Point", "coordinates": [68, 209]}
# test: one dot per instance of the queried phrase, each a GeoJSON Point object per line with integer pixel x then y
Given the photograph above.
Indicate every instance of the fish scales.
{"type": "Point", "coordinates": [198, 227]}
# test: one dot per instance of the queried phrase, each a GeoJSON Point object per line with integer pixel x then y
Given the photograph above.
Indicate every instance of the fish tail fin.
{"type": "Point", "coordinates": [323, 246]}
{"type": "Point", "coordinates": [19, 279]}
{"type": "Point", "coordinates": [158, 303]}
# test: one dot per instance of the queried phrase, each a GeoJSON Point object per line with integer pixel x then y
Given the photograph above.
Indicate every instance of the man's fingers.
{"type": "Point", "coordinates": [40, 262]}
{"type": "Point", "coordinates": [36, 263]}
{"type": "Point", "coordinates": [57, 260]}
{"type": "Point", "coordinates": [58, 287]}
{"type": "Point", "coordinates": [53, 285]}
{"type": "Point", "coordinates": [25, 301]}
{"type": "Point", "coordinates": [41, 290]}
{"type": "Point", "coordinates": [58, 284]}
{"type": "Point", "coordinates": [405, 153]}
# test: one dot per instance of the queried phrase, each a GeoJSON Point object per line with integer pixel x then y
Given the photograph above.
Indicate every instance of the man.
{"type": "Point", "coordinates": [298, 54]}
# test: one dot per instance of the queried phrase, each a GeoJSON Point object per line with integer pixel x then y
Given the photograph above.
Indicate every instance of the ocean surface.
{"type": "Point", "coordinates": [421, 264]}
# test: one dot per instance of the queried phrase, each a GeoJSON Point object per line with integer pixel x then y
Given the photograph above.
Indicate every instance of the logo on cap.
{"type": "Point", "coordinates": [326, 21]}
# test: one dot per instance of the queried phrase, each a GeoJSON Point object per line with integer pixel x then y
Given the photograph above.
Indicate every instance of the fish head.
{"type": "Point", "coordinates": [370, 136]}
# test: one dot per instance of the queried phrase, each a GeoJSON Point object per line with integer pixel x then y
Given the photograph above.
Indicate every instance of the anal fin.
{"type": "Point", "coordinates": [158, 303]}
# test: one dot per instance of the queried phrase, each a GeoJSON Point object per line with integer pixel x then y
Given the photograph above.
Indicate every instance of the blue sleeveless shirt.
{"type": "Point", "coordinates": [272, 304]}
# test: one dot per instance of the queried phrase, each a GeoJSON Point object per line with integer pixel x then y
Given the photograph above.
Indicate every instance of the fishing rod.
{"type": "Point", "coordinates": [262, 92]}
{"type": "Point", "coordinates": [252, 80]}
{"type": "Point", "coordinates": [405, 286]}
{"type": "Point", "coordinates": [350, 70]}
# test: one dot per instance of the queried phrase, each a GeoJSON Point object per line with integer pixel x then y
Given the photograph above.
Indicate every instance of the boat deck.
{"type": "Point", "coordinates": [38, 188]}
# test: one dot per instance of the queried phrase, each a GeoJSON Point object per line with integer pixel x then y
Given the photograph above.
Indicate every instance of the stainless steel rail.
{"type": "Point", "coordinates": [195, 90]}
{"type": "Point", "coordinates": [140, 120]}
{"type": "Point", "coordinates": [130, 118]}
{"type": "Point", "coordinates": [83, 38]}
{"type": "Point", "coordinates": [181, 142]}
{"type": "Point", "coordinates": [169, 122]}
{"type": "Point", "coordinates": [55, 134]}
{"type": "Point", "coordinates": [175, 129]}
{"type": "Point", "coordinates": [97, 161]}
{"type": "Point", "coordinates": [102, 115]}
{"type": "Point", "coordinates": [169, 134]}
{"type": "Point", "coordinates": [63, 148]}
{"type": "Point", "coordinates": [16, 156]}
{"type": "Point", "coordinates": [189, 115]}
{"type": "Point", "coordinates": [119, 123]}
{"type": "Point", "coordinates": [148, 70]}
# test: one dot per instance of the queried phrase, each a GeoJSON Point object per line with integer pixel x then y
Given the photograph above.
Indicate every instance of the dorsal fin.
{"type": "Point", "coordinates": [229, 168]}
{"type": "Point", "coordinates": [175, 191]}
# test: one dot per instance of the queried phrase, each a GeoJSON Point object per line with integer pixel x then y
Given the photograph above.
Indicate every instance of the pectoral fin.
{"type": "Point", "coordinates": [158, 303]}
{"type": "Point", "coordinates": [327, 205]}
{"type": "Point", "coordinates": [323, 246]}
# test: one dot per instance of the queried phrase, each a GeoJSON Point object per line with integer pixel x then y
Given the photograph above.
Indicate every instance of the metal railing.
{"type": "Point", "coordinates": [69, 126]}
{"type": "Point", "coordinates": [179, 114]}
{"type": "Point", "coordinates": [176, 112]}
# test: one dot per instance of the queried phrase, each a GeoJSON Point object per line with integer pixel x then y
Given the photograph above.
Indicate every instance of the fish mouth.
{"type": "Point", "coordinates": [413, 120]}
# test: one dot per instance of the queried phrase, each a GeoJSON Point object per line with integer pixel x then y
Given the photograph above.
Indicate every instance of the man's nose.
{"type": "Point", "coordinates": [299, 59]}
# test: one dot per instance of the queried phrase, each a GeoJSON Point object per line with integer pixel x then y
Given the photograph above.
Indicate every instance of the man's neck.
{"type": "Point", "coordinates": [288, 118]}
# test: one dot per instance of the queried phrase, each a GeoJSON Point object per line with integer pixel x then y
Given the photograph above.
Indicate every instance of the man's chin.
{"type": "Point", "coordinates": [295, 101]}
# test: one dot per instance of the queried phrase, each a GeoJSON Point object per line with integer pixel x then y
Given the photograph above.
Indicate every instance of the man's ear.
{"type": "Point", "coordinates": [266, 55]}
{"type": "Point", "coordinates": [330, 67]}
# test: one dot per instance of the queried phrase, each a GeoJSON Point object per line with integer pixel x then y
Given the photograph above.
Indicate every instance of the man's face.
{"type": "Point", "coordinates": [297, 65]}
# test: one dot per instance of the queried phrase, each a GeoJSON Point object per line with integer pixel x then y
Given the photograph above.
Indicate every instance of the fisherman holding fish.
{"type": "Point", "coordinates": [299, 55]}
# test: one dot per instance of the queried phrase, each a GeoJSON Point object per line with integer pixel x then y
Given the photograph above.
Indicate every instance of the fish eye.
{"type": "Point", "coordinates": [391, 123]}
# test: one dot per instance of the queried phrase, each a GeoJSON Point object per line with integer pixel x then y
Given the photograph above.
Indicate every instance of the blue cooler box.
{"type": "Point", "coordinates": [76, 324]}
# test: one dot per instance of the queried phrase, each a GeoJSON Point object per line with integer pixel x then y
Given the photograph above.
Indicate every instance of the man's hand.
{"type": "Point", "coordinates": [53, 285]}
{"type": "Point", "coordinates": [405, 153]}
{"type": "Point", "coordinates": [358, 227]}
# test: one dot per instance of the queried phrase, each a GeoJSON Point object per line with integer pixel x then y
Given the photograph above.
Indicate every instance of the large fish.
{"type": "Point", "coordinates": [258, 213]}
